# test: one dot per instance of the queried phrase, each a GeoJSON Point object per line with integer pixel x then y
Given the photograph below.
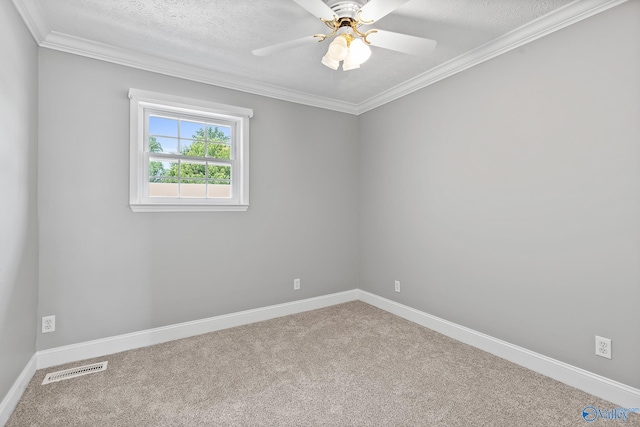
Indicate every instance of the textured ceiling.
{"type": "Point", "coordinates": [212, 40]}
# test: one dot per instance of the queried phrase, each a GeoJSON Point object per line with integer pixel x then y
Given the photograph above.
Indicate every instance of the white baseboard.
{"type": "Point", "coordinates": [116, 344]}
{"type": "Point", "coordinates": [10, 401]}
{"type": "Point", "coordinates": [613, 391]}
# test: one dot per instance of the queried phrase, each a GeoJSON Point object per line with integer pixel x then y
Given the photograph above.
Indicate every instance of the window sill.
{"type": "Point", "coordinates": [187, 208]}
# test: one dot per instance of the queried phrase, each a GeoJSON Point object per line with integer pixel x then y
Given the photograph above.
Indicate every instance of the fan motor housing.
{"type": "Point", "coordinates": [346, 8]}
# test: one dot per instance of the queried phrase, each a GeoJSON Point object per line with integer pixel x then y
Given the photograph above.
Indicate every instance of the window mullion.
{"type": "Point", "coordinates": [168, 156]}
{"type": "Point", "coordinates": [179, 177]}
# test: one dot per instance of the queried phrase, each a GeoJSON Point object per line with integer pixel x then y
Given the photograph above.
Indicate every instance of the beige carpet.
{"type": "Point", "coordinates": [346, 365]}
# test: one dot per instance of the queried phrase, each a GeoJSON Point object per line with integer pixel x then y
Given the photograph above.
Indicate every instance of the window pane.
{"type": "Point", "coordinates": [158, 144]}
{"type": "Point", "coordinates": [219, 189]}
{"type": "Point", "coordinates": [163, 126]}
{"type": "Point", "coordinates": [219, 139]}
{"type": "Point", "coordinates": [219, 133]}
{"type": "Point", "coordinates": [219, 151]}
{"type": "Point", "coordinates": [191, 130]}
{"type": "Point", "coordinates": [219, 181]}
{"type": "Point", "coordinates": [189, 147]}
{"type": "Point", "coordinates": [158, 169]}
{"type": "Point", "coordinates": [192, 170]}
{"type": "Point", "coordinates": [193, 188]}
{"type": "Point", "coordinates": [161, 183]}
{"type": "Point", "coordinates": [218, 172]}
{"type": "Point", "coordinates": [163, 189]}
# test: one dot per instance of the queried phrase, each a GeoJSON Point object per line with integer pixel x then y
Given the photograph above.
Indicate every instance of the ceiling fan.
{"type": "Point", "coordinates": [351, 44]}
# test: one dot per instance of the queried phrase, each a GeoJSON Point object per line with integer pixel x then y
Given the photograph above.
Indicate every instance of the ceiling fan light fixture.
{"type": "Point", "coordinates": [346, 8]}
{"type": "Point", "coordinates": [330, 62]}
{"type": "Point", "coordinates": [338, 49]}
{"type": "Point", "coordinates": [350, 44]}
{"type": "Point", "coordinates": [349, 63]}
{"type": "Point", "coordinates": [359, 51]}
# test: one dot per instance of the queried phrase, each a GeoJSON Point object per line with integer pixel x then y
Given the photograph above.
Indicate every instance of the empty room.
{"type": "Point", "coordinates": [320, 212]}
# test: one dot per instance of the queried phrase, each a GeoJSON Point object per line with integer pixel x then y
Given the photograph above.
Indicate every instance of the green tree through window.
{"type": "Point", "coordinates": [156, 169]}
{"type": "Point", "coordinates": [213, 145]}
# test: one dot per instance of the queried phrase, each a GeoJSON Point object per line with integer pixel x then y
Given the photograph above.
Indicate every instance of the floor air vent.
{"type": "Point", "coordinates": [74, 372]}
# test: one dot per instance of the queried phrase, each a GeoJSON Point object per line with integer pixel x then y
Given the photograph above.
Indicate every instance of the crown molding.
{"type": "Point", "coordinates": [545, 25]}
{"type": "Point", "coordinates": [103, 52]}
{"type": "Point", "coordinates": [570, 14]}
{"type": "Point", "coordinates": [34, 19]}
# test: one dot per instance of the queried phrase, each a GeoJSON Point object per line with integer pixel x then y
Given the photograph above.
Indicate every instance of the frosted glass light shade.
{"type": "Point", "coordinates": [349, 63]}
{"type": "Point", "coordinates": [330, 62]}
{"type": "Point", "coordinates": [338, 49]}
{"type": "Point", "coordinates": [359, 51]}
{"type": "Point", "coordinates": [352, 51]}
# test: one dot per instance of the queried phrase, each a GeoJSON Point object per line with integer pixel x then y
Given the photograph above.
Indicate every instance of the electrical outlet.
{"type": "Point", "coordinates": [603, 347]}
{"type": "Point", "coordinates": [397, 286]}
{"type": "Point", "coordinates": [296, 284]}
{"type": "Point", "coordinates": [48, 324]}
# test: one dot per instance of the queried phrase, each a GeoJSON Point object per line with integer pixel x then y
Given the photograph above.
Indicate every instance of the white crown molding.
{"type": "Point", "coordinates": [545, 25]}
{"type": "Point", "coordinates": [142, 61]}
{"type": "Point", "coordinates": [46, 37]}
{"type": "Point", "coordinates": [574, 12]}
{"type": "Point", "coordinates": [34, 18]}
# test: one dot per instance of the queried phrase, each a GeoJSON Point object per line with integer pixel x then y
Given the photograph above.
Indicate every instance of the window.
{"type": "Point", "coordinates": [187, 154]}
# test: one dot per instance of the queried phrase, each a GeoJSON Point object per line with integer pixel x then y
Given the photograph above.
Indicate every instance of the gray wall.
{"type": "Point", "coordinates": [507, 198]}
{"type": "Point", "coordinates": [106, 271]}
{"type": "Point", "coordinates": [18, 211]}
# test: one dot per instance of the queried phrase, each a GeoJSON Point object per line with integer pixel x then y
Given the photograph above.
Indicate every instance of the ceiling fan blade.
{"type": "Point", "coordinates": [402, 42]}
{"type": "Point", "coordinates": [264, 51]}
{"type": "Point", "coordinates": [378, 9]}
{"type": "Point", "coordinates": [317, 8]}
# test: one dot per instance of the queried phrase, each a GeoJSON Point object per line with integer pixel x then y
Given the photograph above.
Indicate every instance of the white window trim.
{"type": "Point", "coordinates": [141, 100]}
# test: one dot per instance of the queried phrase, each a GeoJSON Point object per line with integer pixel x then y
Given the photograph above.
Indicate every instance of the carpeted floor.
{"type": "Point", "coordinates": [347, 365]}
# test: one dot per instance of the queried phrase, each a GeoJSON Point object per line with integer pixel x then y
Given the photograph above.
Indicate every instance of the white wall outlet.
{"type": "Point", "coordinates": [296, 284]}
{"type": "Point", "coordinates": [603, 347]}
{"type": "Point", "coordinates": [48, 324]}
{"type": "Point", "coordinates": [397, 286]}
